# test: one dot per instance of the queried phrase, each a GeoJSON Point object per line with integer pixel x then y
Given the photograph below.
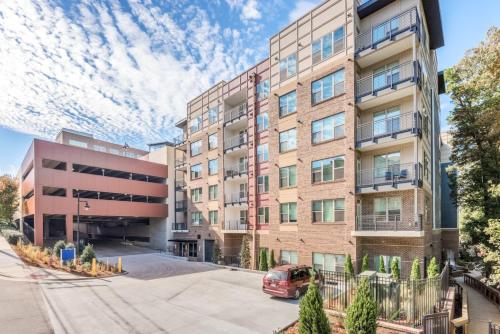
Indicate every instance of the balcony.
{"type": "Point", "coordinates": [236, 171]}
{"type": "Point", "coordinates": [181, 164]}
{"type": "Point", "coordinates": [387, 39]}
{"type": "Point", "coordinates": [180, 185]}
{"type": "Point", "coordinates": [235, 114]}
{"type": "Point", "coordinates": [388, 85]}
{"type": "Point", "coordinates": [397, 176]}
{"type": "Point", "coordinates": [374, 135]}
{"type": "Point", "coordinates": [180, 227]}
{"type": "Point", "coordinates": [236, 226]}
{"type": "Point", "coordinates": [388, 225]}
{"type": "Point", "coordinates": [181, 206]}
{"type": "Point", "coordinates": [234, 143]}
{"type": "Point", "coordinates": [180, 142]}
{"type": "Point", "coordinates": [240, 198]}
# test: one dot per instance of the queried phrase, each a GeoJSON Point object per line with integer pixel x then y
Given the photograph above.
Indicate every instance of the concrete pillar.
{"type": "Point", "coordinates": [69, 228]}
{"type": "Point", "coordinates": [38, 226]}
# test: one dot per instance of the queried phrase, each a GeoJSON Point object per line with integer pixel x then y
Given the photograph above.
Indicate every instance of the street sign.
{"type": "Point", "coordinates": [68, 254]}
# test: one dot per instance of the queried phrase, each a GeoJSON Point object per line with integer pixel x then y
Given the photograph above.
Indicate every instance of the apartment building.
{"type": "Point", "coordinates": [328, 147]}
{"type": "Point", "coordinates": [119, 192]}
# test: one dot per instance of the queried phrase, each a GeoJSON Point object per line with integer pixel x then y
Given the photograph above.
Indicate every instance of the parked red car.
{"type": "Point", "coordinates": [287, 281]}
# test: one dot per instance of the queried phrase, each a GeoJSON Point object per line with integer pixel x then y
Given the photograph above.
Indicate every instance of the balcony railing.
{"type": "Point", "coordinates": [235, 141]}
{"type": "Point", "coordinates": [238, 198]}
{"type": "Point", "coordinates": [180, 185]}
{"type": "Point", "coordinates": [408, 20]}
{"type": "Point", "coordinates": [179, 140]}
{"type": "Point", "coordinates": [179, 227]}
{"type": "Point", "coordinates": [180, 162]}
{"type": "Point", "coordinates": [391, 126]}
{"type": "Point", "coordinates": [391, 77]}
{"type": "Point", "coordinates": [393, 174]}
{"type": "Point", "coordinates": [237, 170]}
{"type": "Point", "coordinates": [235, 113]}
{"type": "Point", "coordinates": [389, 222]}
{"type": "Point", "coordinates": [235, 225]}
{"type": "Point", "coordinates": [181, 206]}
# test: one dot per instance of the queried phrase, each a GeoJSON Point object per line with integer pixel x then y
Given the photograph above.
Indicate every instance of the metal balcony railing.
{"type": "Point", "coordinates": [390, 126]}
{"type": "Point", "coordinates": [181, 206]}
{"type": "Point", "coordinates": [179, 140]}
{"type": "Point", "coordinates": [388, 222]}
{"type": "Point", "coordinates": [393, 174]}
{"type": "Point", "coordinates": [180, 162]}
{"type": "Point", "coordinates": [180, 185]}
{"type": "Point", "coordinates": [179, 227]}
{"type": "Point", "coordinates": [235, 225]}
{"type": "Point", "coordinates": [391, 77]}
{"type": "Point", "coordinates": [235, 141]}
{"type": "Point", "coordinates": [235, 113]}
{"type": "Point", "coordinates": [408, 20]}
{"type": "Point", "coordinates": [237, 170]}
{"type": "Point", "coordinates": [238, 198]}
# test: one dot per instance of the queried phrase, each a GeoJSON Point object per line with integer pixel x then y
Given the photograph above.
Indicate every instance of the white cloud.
{"type": "Point", "coordinates": [302, 7]}
{"type": "Point", "coordinates": [250, 11]}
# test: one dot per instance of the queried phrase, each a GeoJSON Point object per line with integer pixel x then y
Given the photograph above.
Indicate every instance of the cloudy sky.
{"type": "Point", "coordinates": [124, 69]}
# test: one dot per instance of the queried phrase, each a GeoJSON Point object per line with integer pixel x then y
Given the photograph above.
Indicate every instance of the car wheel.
{"type": "Point", "coordinates": [297, 294]}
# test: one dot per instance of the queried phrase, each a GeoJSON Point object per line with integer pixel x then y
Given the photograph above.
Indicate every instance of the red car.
{"type": "Point", "coordinates": [287, 281]}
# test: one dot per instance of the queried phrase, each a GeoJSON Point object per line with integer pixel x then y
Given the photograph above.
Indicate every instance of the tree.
{"type": "Point", "coordinates": [272, 261]}
{"type": "Point", "coordinates": [217, 254]}
{"type": "Point", "coordinates": [365, 266]}
{"type": "Point", "coordinates": [475, 121]}
{"type": "Point", "coordinates": [493, 257]}
{"type": "Point", "coordinates": [245, 253]}
{"type": "Point", "coordinates": [56, 250]}
{"type": "Point", "coordinates": [362, 314]}
{"type": "Point", "coordinates": [9, 198]}
{"type": "Point", "coordinates": [395, 269]}
{"type": "Point", "coordinates": [263, 260]}
{"type": "Point", "coordinates": [312, 316]}
{"type": "Point", "coordinates": [88, 254]}
{"type": "Point", "coordinates": [381, 265]}
{"type": "Point", "coordinates": [433, 268]}
{"type": "Point", "coordinates": [415, 270]}
{"type": "Point", "coordinates": [349, 268]}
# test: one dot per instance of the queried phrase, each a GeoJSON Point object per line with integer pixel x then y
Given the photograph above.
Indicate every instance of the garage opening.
{"type": "Point", "coordinates": [54, 229]}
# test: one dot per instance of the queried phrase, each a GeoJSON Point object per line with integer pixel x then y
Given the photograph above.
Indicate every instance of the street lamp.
{"type": "Point", "coordinates": [86, 206]}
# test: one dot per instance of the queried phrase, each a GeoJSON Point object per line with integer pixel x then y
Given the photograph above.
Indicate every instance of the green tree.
{"type": "Point", "coordinates": [433, 268]}
{"type": "Point", "coordinates": [312, 316]}
{"type": "Point", "coordinates": [361, 317]}
{"type": "Point", "coordinates": [88, 254]}
{"type": "Point", "coordinates": [493, 256]}
{"type": "Point", "coordinates": [272, 261]}
{"type": "Point", "coordinates": [395, 268]}
{"type": "Point", "coordinates": [381, 265]}
{"type": "Point", "coordinates": [475, 121]}
{"type": "Point", "coordinates": [245, 253]}
{"type": "Point", "coordinates": [56, 250]}
{"type": "Point", "coordinates": [415, 270]}
{"type": "Point", "coordinates": [217, 254]}
{"type": "Point", "coordinates": [9, 198]}
{"type": "Point", "coordinates": [365, 266]}
{"type": "Point", "coordinates": [263, 260]}
{"type": "Point", "coordinates": [349, 268]}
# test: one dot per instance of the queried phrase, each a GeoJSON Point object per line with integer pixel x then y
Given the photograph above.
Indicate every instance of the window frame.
{"type": "Point", "coordinates": [197, 195]}
{"type": "Point", "coordinates": [263, 184]}
{"type": "Point", "coordinates": [289, 256]}
{"type": "Point", "coordinates": [210, 170]}
{"type": "Point", "coordinates": [196, 128]}
{"type": "Point", "coordinates": [321, 121]}
{"type": "Point", "coordinates": [264, 155]}
{"type": "Point", "coordinates": [263, 89]}
{"type": "Point", "coordinates": [262, 125]}
{"type": "Point", "coordinates": [289, 206]}
{"type": "Point", "coordinates": [334, 257]}
{"type": "Point", "coordinates": [285, 67]}
{"type": "Point", "coordinates": [333, 40]}
{"type": "Point", "coordinates": [290, 142]}
{"type": "Point", "coordinates": [284, 102]}
{"type": "Point", "coordinates": [211, 118]}
{"type": "Point", "coordinates": [213, 215]}
{"type": "Point", "coordinates": [263, 216]}
{"type": "Point", "coordinates": [333, 84]}
{"type": "Point", "coordinates": [286, 177]}
{"type": "Point", "coordinates": [213, 135]}
{"type": "Point", "coordinates": [213, 192]}
{"type": "Point", "coordinates": [333, 168]}
{"type": "Point", "coordinates": [333, 213]}
{"type": "Point", "coordinates": [199, 221]}
{"type": "Point", "coordinates": [198, 173]}
{"type": "Point", "coordinates": [196, 152]}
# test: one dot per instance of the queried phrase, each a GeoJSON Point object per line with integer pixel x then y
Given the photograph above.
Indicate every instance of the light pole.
{"type": "Point", "coordinates": [86, 207]}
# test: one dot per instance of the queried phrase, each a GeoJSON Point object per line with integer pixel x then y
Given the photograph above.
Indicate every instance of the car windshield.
{"type": "Point", "coordinates": [277, 275]}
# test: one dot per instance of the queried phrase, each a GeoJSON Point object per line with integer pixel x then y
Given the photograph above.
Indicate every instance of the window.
{"type": "Point", "coordinates": [328, 45]}
{"type": "Point", "coordinates": [262, 184]}
{"type": "Point", "coordinates": [385, 76]}
{"type": "Point", "coordinates": [262, 122]}
{"type": "Point", "coordinates": [196, 195]}
{"type": "Point", "coordinates": [99, 148]}
{"type": "Point", "coordinates": [288, 212]}
{"type": "Point", "coordinates": [195, 124]}
{"type": "Point", "coordinates": [288, 140]}
{"type": "Point", "coordinates": [328, 128]}
{"type": "Point", "coordinates": [213, 115]}
{"type": "Point", "coordinates": [387, 262]}
{"type": "Point", "coordinates": [213, 217]}
{"type": "Point", "coordinates": [212, 167]}
{"type": "Point", "coordinates": [289, 257]}
{"type": "Point", "coordinates": [213, 192]}
{"type": "Point", "coordinates": [77, 143]}
{"type": "Point", "coordinates": [263, 215]}
{"type": "Point", "coordinates": [196, 218]}
{"type": "Point", "coordinates": [288, 177]}
{"type": "Point", "coordinates": [426, 166]}
{"type": "Point", "coordinates": [387, 209]}
{"type": "Point", "coordinates": [196, 172]}
{"type": "Point", "coordinates": [54, 191]}
{"type": "Point", "coordinates": [327, 169]}
{"type": "Point", "coordinates": [327, 87]}
{"type": "Point", "coordinates": [328, 262]}
{"type": "Point", "coordinates": [196, 148]}
{"type": "Point", "coordinates": [52, 164]}
{"type": "Point", "coordinates": [386, 165]}
{"type": "Point", "coordinates": [212, 141]}
{"type": "Point", "coordinates": [328, 210]}
{"type": "Point", "coordinates": [288, 104]}
{"type": "Point", "coordinates": [262, 90]}
{"type": "Point", "coordinates": [288, 67]}
{"type": "Point", "coordinates": [262, 153]}
{"type": "Point", "coordinates": [386, 121]}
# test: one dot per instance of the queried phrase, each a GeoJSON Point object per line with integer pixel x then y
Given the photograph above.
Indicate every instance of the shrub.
{"type": "Point", "coordinates": [365, 266]}
{"type": "Point", "coordinates": [88, 254]}
{"type": "Point", "coordinates": [263, 260]}
{"type": "Point", "coordinates": [272, 262]}
{"type": "Point", "coordinates": [56, 250]}
{"type": "Point", "coordinates": [245, 253]}
{"type": "Point", "coordinates": [217, 252]}
{"type": "Point", "coordinates": [13, 236]}
{"type": "Point", "coordinates": [312, 317]}
{"type": "Point", "coordinates": [415, 269]}
{"type": "Point", "coordinates": [395, 269]}
{"type": "Point", "coordinates": [433, 268]}
{"type": "Point", "coordinates": [362, 314]}
{"type": "Point", "coordinates": [70, 245]}
{"type": "Point", "coordinates": [381, 266]}
{"type": "Point", "coordinates": [349, 268]}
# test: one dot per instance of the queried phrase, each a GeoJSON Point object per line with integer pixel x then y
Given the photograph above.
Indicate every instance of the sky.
{"type": "Point", "coordinates": [124, 70]}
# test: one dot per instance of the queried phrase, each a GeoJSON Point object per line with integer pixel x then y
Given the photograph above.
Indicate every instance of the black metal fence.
{"type": "Point", "coordinates": [403, 302]}
{"type": "Point", "coordinates": [436, 323]}
{"type": "Point", "coordinates": [493, 328]}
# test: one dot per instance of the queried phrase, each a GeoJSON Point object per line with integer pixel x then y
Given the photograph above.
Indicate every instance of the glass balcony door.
{"type": "Point", "coordinates": [387, 121]}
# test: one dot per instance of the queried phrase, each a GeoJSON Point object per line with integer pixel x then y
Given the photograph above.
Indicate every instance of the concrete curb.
{"type": "Point", "coordinates": [287, 326]}
{"type": "Point", "coordinates": [221, 266]}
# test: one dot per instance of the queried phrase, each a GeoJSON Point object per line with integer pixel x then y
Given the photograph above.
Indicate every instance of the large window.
{"type": "Point", "coordinates": [328, 210]}
{"type": "Point", "coordinates": [387, 262]}
{"type": "Point", "coordinates": [288, 104]}
{"type": "Point", "coordinates": [196, 195]}
{"type": "Point", "coordinates": [328, 128]}
{"type": "Point", "coordinates": [195, 172]}
{"type": "Point", "coordinates": [328, 45]}
{"type": "Point", "coordinates": [289, 257]}
{"type": "Point", "coordinates": [262, 184]}
{"type": "Point", "coordinates": [195, 124]}
{"type": "Point", "coordinates": [263, 90]}
{"type": "Point", "coordinates": [288, 212]}
{"type": "Point", "coordinates": [288, 176]}
{"type": "Point", "coordinates": [213, 192]}
{"type": "Point", "coordinates": [196, 148]}
{"type": "Point", "coordinates": [327, 169]}
{"type": "Point", "coordinates": [288, 67]}
{"type": "Point", "coordinates": [263, 215]}
{"type": "Point", "coordinates": [262, 153]}
{"type": "Point", "coordinates": [386, 165]}
{"type": "Point", "coordinates": [328, 262]}
{"type": "Point", "coordinates": [288, 140]}
{"type": "Point", "coordinates": [213, 115]}
{"type": "Point", "coordinates": [212, 141]}
{"type": "Point", "coordinates": [213, 217]}
{"type": "Point", "coordinates": [262, 122]}
{"type": "Point", "coordinates": [386, 121]}
{"type": "Point", "coordinates": [385, 76]}
{"type": "Point", "coordinates": [196, 218]}
{"type": "Point", "coordinates": [387, 208]}
{"type": "Point", "coordinates": [327, 87]}
{"type": "Point", "coordinates": [212, 167]}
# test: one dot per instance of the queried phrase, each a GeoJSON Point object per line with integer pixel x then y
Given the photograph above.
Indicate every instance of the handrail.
{"type": "Point", "coordinates": [235, 225]}
{"type": "Point", "coordinates": [235, 112]}
{"type": "Point", "coordinates": [179, 227]}
{"type": "Point", "coordinates": [396, 173]}
{"type": "Point", "coordinates": [373, 83]}
{"type": "Point", "coordinates": [492, 294]}
{"type": "Point", "coordinates": [387, 127]}
{"type": "Point", "coordinates": [235, 141]}
{"type": "Point", "coordinates": [180, 139]}
{"type": "Point", "coordinates": [236, 198]}
{"type": "Point", "coordinates": [236, 170]}
{"type": "Point", "coordinates": [180, 162]}
{"type": "Point", "coordinates": [392, 222]}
